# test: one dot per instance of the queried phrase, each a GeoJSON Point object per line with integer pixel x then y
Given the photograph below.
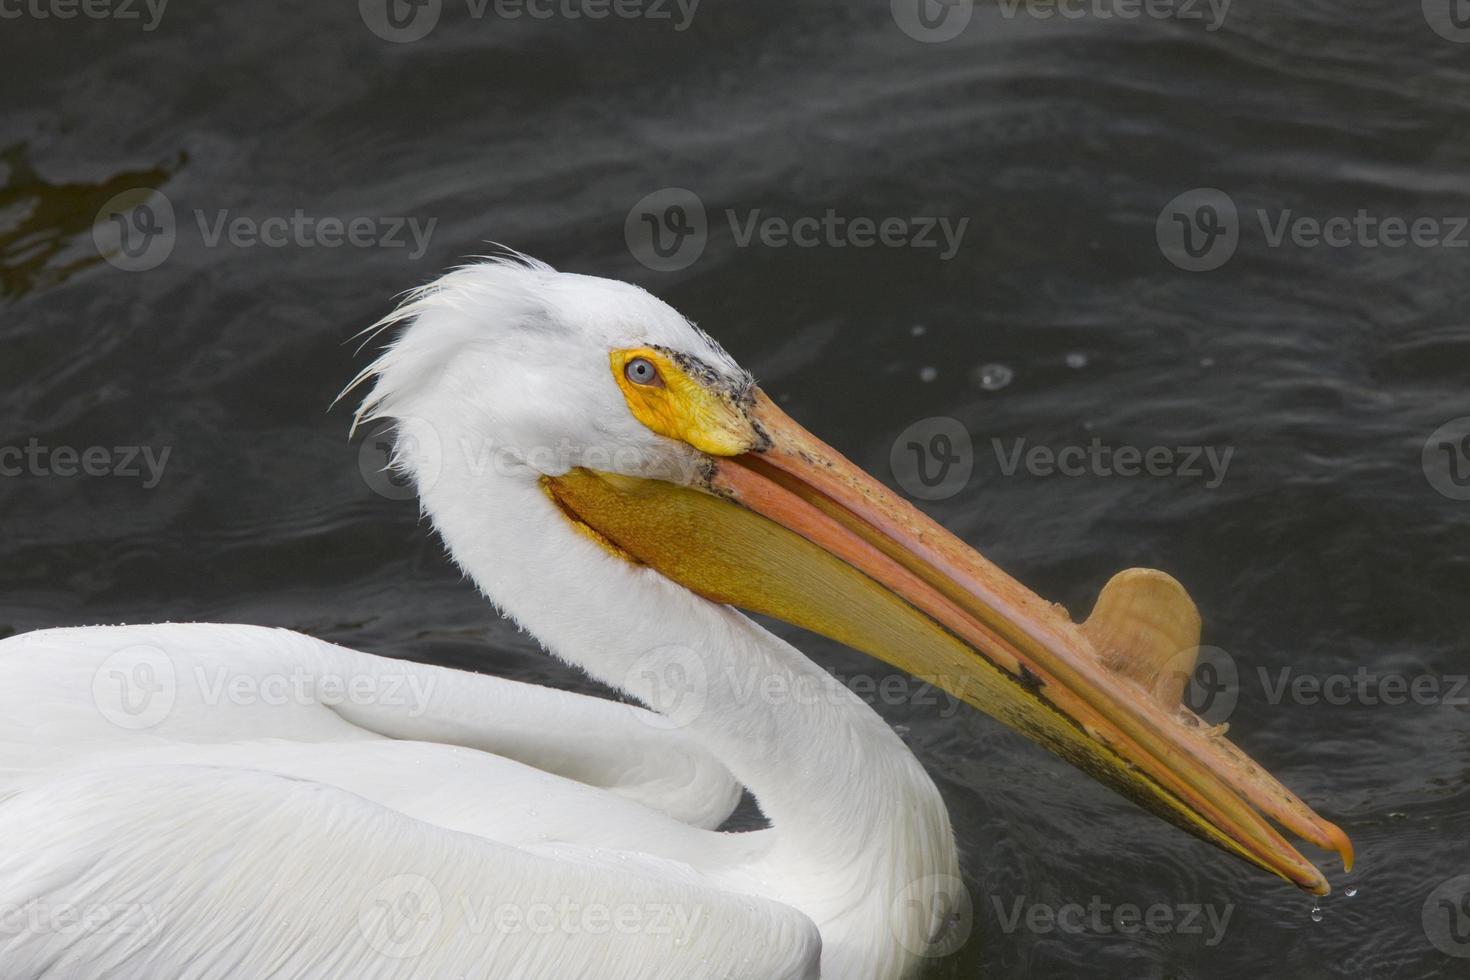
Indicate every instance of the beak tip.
{"type": "Point", "coordinates": [1342, 845]}
{"type": "Point", "coordinates": [1333, 839]}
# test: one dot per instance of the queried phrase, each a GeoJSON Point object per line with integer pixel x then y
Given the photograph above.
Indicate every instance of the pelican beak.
{"type": "Point", "coordinates": [791, 529]}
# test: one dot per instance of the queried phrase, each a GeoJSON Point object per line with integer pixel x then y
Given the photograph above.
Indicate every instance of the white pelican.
{"type": "Point", "coordinates": [211, 801]}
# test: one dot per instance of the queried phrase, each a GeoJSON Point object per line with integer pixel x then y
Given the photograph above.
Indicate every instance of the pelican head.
{"type": "Point", "coordinates": [651, 440]}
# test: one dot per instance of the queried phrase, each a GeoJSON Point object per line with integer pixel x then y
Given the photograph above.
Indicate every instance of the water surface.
{"type": "Point", "coordinates": [1325, 548]}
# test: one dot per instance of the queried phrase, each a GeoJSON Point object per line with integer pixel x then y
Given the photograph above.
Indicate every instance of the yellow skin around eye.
{"type": "Point", "coordinates": [682, 407]}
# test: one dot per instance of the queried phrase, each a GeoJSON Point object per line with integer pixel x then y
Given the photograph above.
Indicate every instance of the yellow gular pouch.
{"type": "Point", "coordinates": [679, 397]}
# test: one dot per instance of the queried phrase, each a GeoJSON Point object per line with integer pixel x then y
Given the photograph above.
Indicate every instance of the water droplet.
{"type": "Point", "coordinates": [917, 330]}
{"type": "Point", "coordinates": [1316, 913]}
{"type": "Point", "coordinates": [1076, 359]}
{"type": "Point", "coordinates": [927, 374]}
{"type": "Point", "coordinates": [1351, 892]}
{"type": "Point", "coordinates": [992, 377]}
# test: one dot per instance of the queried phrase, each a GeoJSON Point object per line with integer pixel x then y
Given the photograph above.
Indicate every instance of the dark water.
{"type": "Point", "coordinates": [1326, 550]}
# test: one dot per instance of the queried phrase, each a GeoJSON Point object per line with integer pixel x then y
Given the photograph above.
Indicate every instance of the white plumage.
{"type": "Point", "coordinates": [209, 801]}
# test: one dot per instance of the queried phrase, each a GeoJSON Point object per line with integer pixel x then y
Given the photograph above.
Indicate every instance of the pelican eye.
{"type": "Point", "coordinates": [673, 396]}
{"type": "Point", "coordinates": [641, 371]}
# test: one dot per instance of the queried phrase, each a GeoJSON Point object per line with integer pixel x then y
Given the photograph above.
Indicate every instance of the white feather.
{"type": "Point", "coordinates": [261, 834]}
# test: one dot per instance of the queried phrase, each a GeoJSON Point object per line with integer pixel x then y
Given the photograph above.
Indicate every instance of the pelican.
{"type": "Point", "coordinates": [225, 801]}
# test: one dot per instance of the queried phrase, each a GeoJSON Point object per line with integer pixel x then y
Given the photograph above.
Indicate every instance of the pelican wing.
{"type": "Point", "coordinates": [80, 696]}
{"type": "Point", "coordinates": [229, 801]}
{"type": "Point", "coordinates": [135, 873]}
